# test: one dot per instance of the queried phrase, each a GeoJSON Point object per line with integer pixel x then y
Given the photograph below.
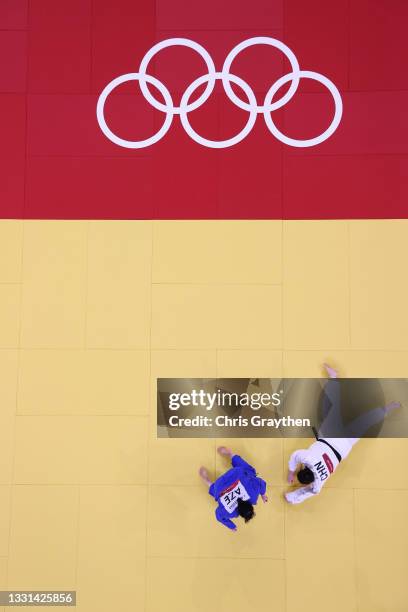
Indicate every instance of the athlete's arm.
{"type": "Point", "coordinates": [224, 519]}
{"type": "Point", "coordinates": [262, 487]}
{"type": "Point", "coordinates": [297, 457]}
{"type": "Point", "coordinates": [291, 476]}
{"type": "Point", "coordinates": [299, 495]}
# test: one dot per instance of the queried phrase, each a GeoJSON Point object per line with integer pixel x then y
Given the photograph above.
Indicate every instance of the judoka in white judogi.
{"type": "Point", "coordinates": [323, 457]}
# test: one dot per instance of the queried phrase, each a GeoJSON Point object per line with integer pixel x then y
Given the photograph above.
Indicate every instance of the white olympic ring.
{"type": "Point", "coordinates": [261, 40]}
{"type": "Point", "coordinates": [129, 144]}
{"type": "Point", "coordinates": [220, 144]}
{"type": "Point", "coordinates": [311, 141]}
{"type": "Point", "coordinates": [182, 42]}
{"type": "Point", "coordinates": [226, 78]}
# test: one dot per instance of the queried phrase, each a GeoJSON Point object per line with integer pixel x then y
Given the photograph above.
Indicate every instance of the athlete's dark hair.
{"type": "Point", "coordinates": [245, 509]}
{"type": "Point", "coordinates": [305, 476]}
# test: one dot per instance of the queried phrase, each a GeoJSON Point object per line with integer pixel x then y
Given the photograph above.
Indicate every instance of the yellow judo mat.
{"type": "Point", "coordinates": [91, 313]}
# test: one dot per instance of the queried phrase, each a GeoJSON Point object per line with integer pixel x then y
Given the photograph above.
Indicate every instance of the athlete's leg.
{"type": "Point", "coordinates": [332, 423]}
{"type": "Point", "coordinates": [203, 472]}
{"type": "Point", "coordinates": [225, 452]}
{"type": "Point", "coordinates": [358, 427]}
{"type": "Point", "coordinates": [331, 391]}
{"type": "Point", "coordinates": [331, 372]}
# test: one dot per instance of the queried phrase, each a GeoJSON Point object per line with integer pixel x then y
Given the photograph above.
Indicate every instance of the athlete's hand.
{"type": "Point", "coordinates": [291, 477]}
{"type": "Point", "coordinates": [264, 498]}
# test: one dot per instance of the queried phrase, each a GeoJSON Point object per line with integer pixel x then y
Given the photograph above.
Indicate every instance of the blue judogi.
{"type": "Point", "coordinates": [240, 481]}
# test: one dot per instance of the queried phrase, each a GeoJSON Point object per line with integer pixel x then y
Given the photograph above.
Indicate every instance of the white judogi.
{"type": "Point", "coordinates": [322, 461]}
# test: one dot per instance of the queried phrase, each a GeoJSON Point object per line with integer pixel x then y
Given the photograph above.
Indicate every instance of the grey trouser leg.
{"type": "Point", "coordinates": [332, 424]}
{"type": "Point", "coordinates": [361, 424]}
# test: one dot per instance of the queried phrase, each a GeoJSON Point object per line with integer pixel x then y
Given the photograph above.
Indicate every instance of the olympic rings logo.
{"type": "Point", "coordinates": [226, 77]}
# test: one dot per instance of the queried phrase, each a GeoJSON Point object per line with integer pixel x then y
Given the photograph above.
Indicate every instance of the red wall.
{"type": "Point", "coordinates": [57, 56]}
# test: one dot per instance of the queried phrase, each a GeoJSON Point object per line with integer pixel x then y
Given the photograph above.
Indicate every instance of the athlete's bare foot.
{"type": "Point", "coordinates": [204, 475]}
{"type": "Point", "coordinates": [331, 372]}
{"type": "Point", "coordinates": [392, 406]}
{"type": "Point", "coordinates": [224, 451]}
